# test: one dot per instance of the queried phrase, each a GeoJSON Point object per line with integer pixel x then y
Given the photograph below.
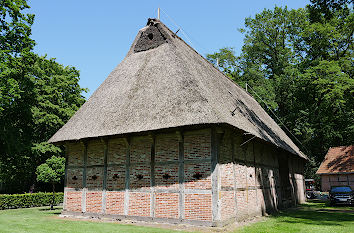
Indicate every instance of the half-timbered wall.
{"type": "Point", "coordinates": [250, 183]}
{"type": "Point", "coordinates": [328, 180]}
{"type": "Point", "coordinates": [160, 176]}
{"type": "Point", "coordinates": [213, 175]}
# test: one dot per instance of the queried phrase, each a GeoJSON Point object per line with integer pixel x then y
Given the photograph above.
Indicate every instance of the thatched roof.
{"type": "Point", "coordinates": [164, 83]}
{"type": "Point", "coordinates": [338, 160]}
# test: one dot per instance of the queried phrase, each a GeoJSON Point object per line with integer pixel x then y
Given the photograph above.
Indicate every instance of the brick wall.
{"type": "Point", "coordinates": [336, 180]}
{"type": "Point", "coordinates": [249, 177]}
{"type": "Point", "coordinates": [73, 201]}
{"type": "Point", "coordinates": [166, 205]}
{"type": "Point", "coordinates": [170, 175]}
{"type": "Point", "coordinates": [115, 202]}
{"type": "Point", "coordinates": [227, 192]}
{"type": "Point", "coordinates": [296, 167]}
{"type": "Point", "coordinates": [167, 176]}
{"type": "Point", "coordinates": [75, 155]}
{"type": "Point", "coordinates": [116, 177]}
{"type": "Point", "coordinates": [94, 178]}
{"type": "Point", "coordinates": [139, 204]}
{"type": "Point", "coordinates": [198, 207]}
{"type": "Point", "coordinates": [197, 175]}
{"type": "Point", "coordinates": [74, 178]}
{"type": "Point", "coordinates": [94, 201]}
{"type": "Point", "coordinates": [95, 151]}
{"type": "Point", "coordinates": [116, 165]}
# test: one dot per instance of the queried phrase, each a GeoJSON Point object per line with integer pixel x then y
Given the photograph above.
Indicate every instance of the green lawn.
{"type": "Point", "coordinates": [44, 220]}
{"type": "Point", "coordinates": [310, 217]}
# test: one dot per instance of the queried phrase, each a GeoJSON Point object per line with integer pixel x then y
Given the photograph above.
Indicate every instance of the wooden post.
{"type": "Point", "coordinates": [233, 157]}
{"type": "Point", "coordinates": [214, 175]}
{"type": "Point", "coordinates": [105, 164]}
{"type": "Point", "coordinates": [66, 173]}
{"type": "Point", "coordinates": [104, 199]}
{"type": "Point", "coordinates": [83, 199]}
{"type": "Point", "coordinates": [181, 173]}
{"type": "Point", "coordinates": [127, 177]}
{"type": "Point", "coordinates": [255, 174]}
{"type": "Point", "coordinates": [152, 176]}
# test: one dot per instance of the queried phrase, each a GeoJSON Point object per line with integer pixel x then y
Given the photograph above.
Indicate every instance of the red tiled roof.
{"type": "Point", "coordinates": [338, 160]}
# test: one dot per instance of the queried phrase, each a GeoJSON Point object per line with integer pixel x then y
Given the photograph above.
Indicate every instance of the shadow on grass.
{"type": "Point", "coordinates": [318, 214]}
{"type": "Point", "coordinates": [54, 211]}
{"type": "Point", "coordinates": [317, 201]}
{"type": "Point", "coordinates": [338, 211]}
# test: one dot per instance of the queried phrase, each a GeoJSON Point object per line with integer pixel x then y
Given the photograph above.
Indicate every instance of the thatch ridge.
{"type": "Point", "coordinates": [167, 86]}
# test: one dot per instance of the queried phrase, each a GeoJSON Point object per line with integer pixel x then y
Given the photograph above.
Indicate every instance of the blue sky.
{"type": "Point", "coordinates": [94, 36]}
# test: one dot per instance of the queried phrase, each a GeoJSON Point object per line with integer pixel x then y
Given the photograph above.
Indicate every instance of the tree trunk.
{"type": "Point", "coordinates": [53, 199]}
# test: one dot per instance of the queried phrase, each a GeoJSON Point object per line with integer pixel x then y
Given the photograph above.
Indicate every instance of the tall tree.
{"type": "Point", "coordinates": [37, 96]}
{"type": "Point", "coordinates": [15, 85]}
{"type": "Point", "coordinates": [300, 62]}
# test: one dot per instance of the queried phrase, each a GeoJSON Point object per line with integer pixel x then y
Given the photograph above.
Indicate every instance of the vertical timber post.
{"type": "Point", "coordinates": [127, 177]}
{"type": "Point", "coordinates": [152, 176]}
{"type": "Point", "coordinates": [255, 174]}
{"type": "Point", "coordinates": [233, 158]}
{"type": "Point", "coordinates": [104, 199]}
{"type": "Point", "coordinates": [214, 175]}
{"type": "Point", "coordinates": [245, 151]}
{"type": "Point", "coordinates": [66, 146]}
{"type": "Point", "coordinates": [180, 174]}
{"type": "Point", "coordinates": [84, 174]}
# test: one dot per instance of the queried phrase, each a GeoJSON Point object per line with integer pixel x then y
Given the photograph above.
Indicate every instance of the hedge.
{"type": "Point", "coordinates": [13, 201]}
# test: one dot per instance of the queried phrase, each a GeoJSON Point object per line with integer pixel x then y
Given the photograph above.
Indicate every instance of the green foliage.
{"type": "Point", "coordinates": [27, 200]}
{"type": "Point", "coordinates": [37, 96]}
{"type": "Point", "coordinates": [300, 62]}
{"type": "Point", "coordinates": [226, 61]}
{"type": "Point", "coordinates": [268, 41]}
{"type": "Point", "coordinates": [52, 171]}
{"type": "Point", "coordinates": [15, 28]}
{"type": "Point", "coordinates": [321, 10]}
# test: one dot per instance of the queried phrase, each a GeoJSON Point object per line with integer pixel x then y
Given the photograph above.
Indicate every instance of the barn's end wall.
{"type": "Point", "coordinates": [206, 176]}
{"type": "Point", "coordinates": [250, 180]}
{"type": "Point", "coordinates": [328, 180]}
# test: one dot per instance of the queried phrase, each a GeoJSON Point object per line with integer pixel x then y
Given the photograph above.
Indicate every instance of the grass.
{"type": "Point", "coordinates": [310, 217]}
{"type": "Point", "coordinates": [44, 220]}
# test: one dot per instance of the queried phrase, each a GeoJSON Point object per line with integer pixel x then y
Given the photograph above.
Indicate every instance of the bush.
{"type": "Point", "coordinates": [27, 200]}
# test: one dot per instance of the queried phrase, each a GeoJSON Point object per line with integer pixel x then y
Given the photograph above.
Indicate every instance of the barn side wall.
{"type": "Point", "coordinates": [164, 176]}
{"type": "Point", "coordinates": [328, 180]}
{"type": "Point", "coordinates": [250, 182]}
{"type": "Point", "coordinates": [297, 179]}
{"type": "Point", "coordinates": [209, 176]}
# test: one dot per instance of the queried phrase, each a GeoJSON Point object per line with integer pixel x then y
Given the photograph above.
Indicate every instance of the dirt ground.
{"type": "Point", "coordinates": [177, 227]}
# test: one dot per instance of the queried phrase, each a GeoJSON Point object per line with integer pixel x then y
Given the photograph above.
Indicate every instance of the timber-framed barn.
{"type": "Point", "coordinates": [168, 137]}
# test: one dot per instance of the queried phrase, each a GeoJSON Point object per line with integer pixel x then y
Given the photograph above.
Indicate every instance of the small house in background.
{"type": "Point", "coordinates": [168, 137]}
{"type": "Point", "coordinates": [337, 168]}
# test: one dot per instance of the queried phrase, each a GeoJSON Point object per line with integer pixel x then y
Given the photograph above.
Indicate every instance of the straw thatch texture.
{"type": "Point", "coordinates": [168, 85]}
